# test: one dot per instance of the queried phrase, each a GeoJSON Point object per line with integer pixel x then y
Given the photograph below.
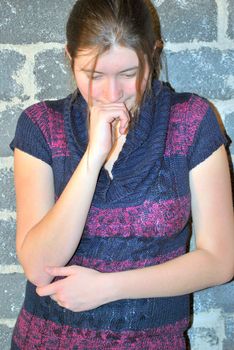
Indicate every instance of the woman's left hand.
{"type": "Point", "coordinates": [81, 288]}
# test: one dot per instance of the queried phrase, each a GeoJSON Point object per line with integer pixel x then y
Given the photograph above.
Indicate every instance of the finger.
{"type": "Point", "coordinates": [112, 105]}
{"type": "Point", "coordinates": [53, 297]}
{"type": "Point", "coordinates": [123, 125]}
{"type": "Point", "coordinates": [59, 271]}
{"type": "Point", "coordinates": [124, 122]}
{"type": "Point", "coordinates": [120, 116]}
{"type": "Point", "coordinates": [60, 304]}
{"type": "Point", "coordinates": [49, 289]}
{"type": "Point", "coordinates": [118, 107]}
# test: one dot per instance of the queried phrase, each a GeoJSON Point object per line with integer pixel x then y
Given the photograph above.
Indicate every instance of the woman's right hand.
{"type": "Point", "coordinates": [101, 138]}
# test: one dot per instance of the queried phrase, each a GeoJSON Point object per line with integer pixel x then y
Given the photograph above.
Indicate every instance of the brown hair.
{"type": "Point", "coordinates": [130, 23]}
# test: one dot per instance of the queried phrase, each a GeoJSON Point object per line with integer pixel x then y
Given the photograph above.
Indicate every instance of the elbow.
{"type": "Point", "coordinates": [228, 266]}
{"type": "Point", "coordinates": [226, 273]}
{"type": "Point", "coordinates": [39, 280]}
{"type": "Point", "coordinates": [221, 267]}
{"type": "Point", "coordinates": [34, 274]}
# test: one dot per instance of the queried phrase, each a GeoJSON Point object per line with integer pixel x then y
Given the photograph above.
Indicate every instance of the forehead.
{"type": "Point", "coordinates": [116, 59]}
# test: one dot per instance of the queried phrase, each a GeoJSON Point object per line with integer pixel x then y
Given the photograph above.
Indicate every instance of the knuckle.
{"type": "Point", "coordinates": [66, 305]}
{"type": "Point", "coordinates": [59, 296]}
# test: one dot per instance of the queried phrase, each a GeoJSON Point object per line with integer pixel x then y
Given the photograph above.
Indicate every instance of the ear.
{"type": "Point", "coordinates": [67, 53]}
{"type": "Point", "coordinates": [159, 44]}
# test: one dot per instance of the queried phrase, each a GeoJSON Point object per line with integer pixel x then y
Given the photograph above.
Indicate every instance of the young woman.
{"type": "Point", "coordinates": [106, 182]}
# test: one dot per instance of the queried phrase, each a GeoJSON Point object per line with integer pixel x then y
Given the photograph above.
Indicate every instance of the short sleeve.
{"type": "Point", "coordinates": [208, 137]}
{"type": "Point", "coordinates": [29, 138]}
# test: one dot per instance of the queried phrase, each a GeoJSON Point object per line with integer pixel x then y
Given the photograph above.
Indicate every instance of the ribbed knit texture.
{"type": "Point", "coordinates": [140, 218]}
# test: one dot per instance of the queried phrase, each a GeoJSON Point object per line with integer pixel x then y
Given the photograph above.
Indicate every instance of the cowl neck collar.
{"type": "Point", "coordinates": [143, 148]}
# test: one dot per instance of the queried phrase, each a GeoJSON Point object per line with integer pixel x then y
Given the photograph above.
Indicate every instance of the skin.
{"type": "Point", "coordinates": [48, 233]}
{"type": "Point", "coordinates": [110, 92]}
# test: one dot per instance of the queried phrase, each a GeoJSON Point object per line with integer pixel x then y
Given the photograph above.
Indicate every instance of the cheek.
{"type": "Point", "coordinates": [96, 91]}
{"type": "Point", "coordinates": [81, 83]}
{"type": "Point", "coordinates": [130, 88]}
{"type": "Point", "coordinates": [86, 89]}
{"type": "Point", "coordinates": [83, 86]}
{"type": "Point", "coordinates": [83, 91]}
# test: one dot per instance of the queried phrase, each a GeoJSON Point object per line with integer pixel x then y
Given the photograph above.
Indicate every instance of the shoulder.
{"type": "Point", "coordinates": [194, 130]}
{"type": "Point", "coordinates": [185, 107]}
{"type": "Point", "coordinates": [187, 114]}
{"type": "Point", "coordinates": [47, 116]}
{"type": "Point", "coordinates": [41, 111]}
{"type": "Point", "coordinates": [193, 105]}
{"type": "Point", "coordinates": [40, 130]}
{"type": "Point", "coordinates": [188, 111]}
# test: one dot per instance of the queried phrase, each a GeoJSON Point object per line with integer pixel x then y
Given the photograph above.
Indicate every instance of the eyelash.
{"type": "Point", "coordinates": [128, 76]}
{"type": "Point", "coordinates": [95, 78]}
{"type": "Point", "coordinates": [132, 75]}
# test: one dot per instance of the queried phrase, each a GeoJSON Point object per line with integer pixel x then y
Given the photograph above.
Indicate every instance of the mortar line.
{"type": "Point", "coordinates": [224, 44]}
{"type": "Point", "coordinates": [196, 45]}
{"type": "Point", "coordinates": [222, 21]}
{"type": "Point", "coordinates": [6, 215]}
{"type": "Point", "coordinates": [6, 163]}
{"type": "Point", "coordinates": [9, 322]}
{"type": "Point", "coordinates": [9, 269]}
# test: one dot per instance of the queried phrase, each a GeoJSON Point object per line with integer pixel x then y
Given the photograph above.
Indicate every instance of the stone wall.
{"type": "Point", "coordinates": [199, 55]}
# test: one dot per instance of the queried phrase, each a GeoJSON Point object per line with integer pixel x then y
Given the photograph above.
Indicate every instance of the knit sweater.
{"type": "Point", "coordinates": [139, 218]}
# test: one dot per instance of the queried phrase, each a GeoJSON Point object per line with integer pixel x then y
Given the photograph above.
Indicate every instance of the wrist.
{"type": "Point", "coordinates": [95, 156]}
{"type": "Point", "coordinates": [112, 283]}
{"type": "Point", "coordinates": [93, 163]}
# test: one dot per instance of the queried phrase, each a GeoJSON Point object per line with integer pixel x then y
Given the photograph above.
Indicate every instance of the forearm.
{"type": "Point", "coordinates": [54, 239]}
{"type": "Point", "coordinates": [185, 274]}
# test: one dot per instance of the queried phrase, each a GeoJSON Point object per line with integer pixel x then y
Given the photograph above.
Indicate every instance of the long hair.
{"type": "Point", "coordinates": [101, 24]}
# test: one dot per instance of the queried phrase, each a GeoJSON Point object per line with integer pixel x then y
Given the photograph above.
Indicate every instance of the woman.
{"type": "Point", "coordinates": [106, 181]}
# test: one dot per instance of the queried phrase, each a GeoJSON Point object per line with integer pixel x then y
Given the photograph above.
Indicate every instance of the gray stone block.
{"type": "Point", "coordinates": [228, 343]}
{"type": "Point", "coordinates": [229, 125]}
{"type": "Point", "coordinates": [12, 290]}
{"type": "Point", "coordinates": [204, 338]}
{"type": "Point", "coordinates": [7, 193]}
{"type": "Point", "coordinates": [53, 76]}
{"type": "Point", "coordinates": [33, 21]}
{"type": "Point", "coordinates": [184, 21]}
{"type": "Point", "coordinates": [219, 297]}
{"type": "Point", "coordinates": [5, 337]}
{"type": "Point", "coordinates": [208, 72]}
{"type": "Point", "coordinates": [10, 63]}
{"type": "Point", "coordinates": [7, 242]}
{"type": "Point", "coordinates": [8, 120]}
{"type": "Point", "coordinates": [230, 31]}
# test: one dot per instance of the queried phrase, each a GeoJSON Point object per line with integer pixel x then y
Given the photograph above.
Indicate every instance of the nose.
{"type": "Point", "coordinates": [112, 90]}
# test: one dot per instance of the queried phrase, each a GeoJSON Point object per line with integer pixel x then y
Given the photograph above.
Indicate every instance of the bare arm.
{"type": "Point", "coordinates": [212, 262]}
{"type": "Point", "coordinates": [48, 233]}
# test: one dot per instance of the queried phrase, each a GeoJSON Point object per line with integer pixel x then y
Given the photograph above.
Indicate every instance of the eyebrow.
{"type": "Point", "coordinates": [97, 72]}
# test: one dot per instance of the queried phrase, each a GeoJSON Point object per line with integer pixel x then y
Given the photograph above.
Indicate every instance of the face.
{"type": "Point", "coordinates": [114, 77]}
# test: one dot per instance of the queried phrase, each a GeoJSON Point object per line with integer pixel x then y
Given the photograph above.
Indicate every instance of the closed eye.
{"type": "Point", "coordinates": [129, 75]}
{"type": "Point", "coordinates": [94, 76]}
